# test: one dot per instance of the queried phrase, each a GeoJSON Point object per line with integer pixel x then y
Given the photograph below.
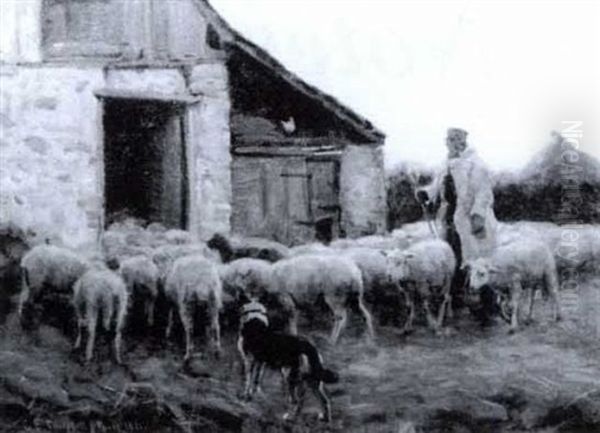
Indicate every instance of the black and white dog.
{"type": "Point", "coordinates": [297, 359]}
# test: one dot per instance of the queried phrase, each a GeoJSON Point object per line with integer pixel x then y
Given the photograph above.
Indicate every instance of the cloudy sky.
{"type": "Point", "coordinates": [508, 72]}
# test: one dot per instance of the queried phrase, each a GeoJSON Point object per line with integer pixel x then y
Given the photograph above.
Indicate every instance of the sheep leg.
{"type": "Point", "coordinates": [293, 322]}
{"type": "Point", "coordinates": [448, 300]}
{"type": "Point", "coordinates": [289, 309]}
{"type": "Point", "coordinates": [186, 321]}
{"type": "Point", "coordinates": [215, 328]}
{"type": "Point", "coordinates": [23, 297]}
{"type": "Point", "coordinates": [411, 312]}
{"type": "Point", "coordinates": [169, 323]}
{"type": "Point", "coordinates": [515, 295]}
{"type": "Point", "coordinates": [444, 308]}
{"type": "Point", "coordinates": [340, 315]}
{"type": "Point", "coordinates": [149, 311]}
{"type": "Point", "coordinates": [121, 314]}
{"type": "Point", "coordinates": [80, 324]}
{"type": "Point", "coordinates": [92, 318]}
{"type": "Point", "coordinates": [530, 301]}
{"type": "Point", "coordinates": [367, 316]}
{"type": "Point", "coordinates": [552, 288]}
{"type": "Point", "coordinates": [431, 322]}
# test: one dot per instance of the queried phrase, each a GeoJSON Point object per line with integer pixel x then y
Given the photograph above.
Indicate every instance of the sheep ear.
{"type": "Point", "coordinates": [465, 266]}
{"type": "Point", "coordinates": [493, 269]}
{"type": "Point", "coordinates": [409, 255]}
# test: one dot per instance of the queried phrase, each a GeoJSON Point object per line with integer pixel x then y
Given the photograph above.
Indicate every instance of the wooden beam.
{"type": "Point", "coordinates": [256, 151]}
{"type": "Point", "coordinates": [270, 141]}
{"type": "Point", "coordinates": [176, 98]}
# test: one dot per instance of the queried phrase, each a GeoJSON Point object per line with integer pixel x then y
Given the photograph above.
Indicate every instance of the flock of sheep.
{"type": "Point", "coordinates": [137, 264]}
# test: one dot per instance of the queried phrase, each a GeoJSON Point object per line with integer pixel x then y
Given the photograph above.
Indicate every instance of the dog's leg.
{"type": "Point", "coordinates": [285, 373]}
{"type": "Point", "coordinates": [245, 362]}
{"type": "Point", "coordinates": [258, 378]}
{"type": "Point", "coordinates": [250, 369]}
{"type": "Point", "coordinates": [293, 382]}
{"type": "Point", "coordinates": [319, 392]}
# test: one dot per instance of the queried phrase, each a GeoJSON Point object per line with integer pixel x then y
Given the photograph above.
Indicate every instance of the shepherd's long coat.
{"type": "Point", "coordinates": [474, 196]}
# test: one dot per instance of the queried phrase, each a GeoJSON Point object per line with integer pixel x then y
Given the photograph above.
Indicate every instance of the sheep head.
{"type": "Point", "coordinates": [222, 245]}
{"type": "Point", "coordinates": [479, 273]}
{"type": "Point", "coordinates": [398, 265]}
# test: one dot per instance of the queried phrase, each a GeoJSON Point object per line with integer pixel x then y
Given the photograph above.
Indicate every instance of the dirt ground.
{"type": "Point", "coordinates": [545, 378]}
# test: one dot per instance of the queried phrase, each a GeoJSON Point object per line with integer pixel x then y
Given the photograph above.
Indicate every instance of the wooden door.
{"type": "Point", "coordinates": [323, 189]}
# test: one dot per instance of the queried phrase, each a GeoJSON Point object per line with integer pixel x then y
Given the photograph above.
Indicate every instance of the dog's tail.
{"type": "Point", "coordinates": [317, 371]}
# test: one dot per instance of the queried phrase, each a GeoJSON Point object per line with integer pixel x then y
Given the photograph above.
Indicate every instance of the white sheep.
{"type": "Point", "coordinates": [164, 256]}
{"type": "Point", "coordinates": [514, 267]}
{"type": "Point", "coordinates": [49, 272]}
{"type": "Point", "coordinates": [100, 291]}
{"type": "Point", "coordinates": [372, 241]}
{"type": "Point", "coordinates": [194, 279]}
{"type": "Point", "coordinates": [245, 276]}
{"type": "Point", "coordinates": [177, 237]}
{"type": "Point", "coordinates": [425, 269]}
{"type": "Point", "coordinates": [372, 262]}
{"type": "Point", "coordinates": [140, 275]}
{"type": "Point", "coordinates": [115, 246]}
{"type": "Point", "coordinates": [308, 249]}
{"type": "Point", "coordinates": [337, 278]}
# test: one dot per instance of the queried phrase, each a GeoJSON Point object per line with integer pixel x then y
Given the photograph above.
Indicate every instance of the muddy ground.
{"type": "Point", "coordinates": [545, 378]}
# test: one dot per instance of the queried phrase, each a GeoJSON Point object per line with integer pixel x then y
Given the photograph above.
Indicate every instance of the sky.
{"type": "Point", "coordinates": [509, 72]}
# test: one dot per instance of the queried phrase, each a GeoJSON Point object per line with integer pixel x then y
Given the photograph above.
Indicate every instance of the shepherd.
{"type": "Point", "coordinates": [466, 216]}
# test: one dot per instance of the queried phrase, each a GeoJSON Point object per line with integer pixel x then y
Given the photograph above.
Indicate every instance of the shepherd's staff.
{"type": "Point", "coordinates": [413, 178]}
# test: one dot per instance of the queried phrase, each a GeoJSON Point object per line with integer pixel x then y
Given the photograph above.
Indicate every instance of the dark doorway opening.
{"type": "Point", "coordinates": [145, 161]}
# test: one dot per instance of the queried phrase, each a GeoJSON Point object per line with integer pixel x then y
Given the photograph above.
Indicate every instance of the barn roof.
{"type": "Point", "coordinates": [232, 38]}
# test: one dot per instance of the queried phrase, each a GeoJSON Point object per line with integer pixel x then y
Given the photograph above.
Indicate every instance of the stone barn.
{"type": "Point", "coordinates": [159, 110]}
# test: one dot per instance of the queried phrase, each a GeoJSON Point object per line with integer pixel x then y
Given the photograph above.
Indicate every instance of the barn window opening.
{"type": "Point", "coordinates": [145, 161]}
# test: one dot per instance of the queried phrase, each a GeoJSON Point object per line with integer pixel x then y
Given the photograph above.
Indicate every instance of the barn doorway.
{"type": "Point", "coordinates": [145, 161]}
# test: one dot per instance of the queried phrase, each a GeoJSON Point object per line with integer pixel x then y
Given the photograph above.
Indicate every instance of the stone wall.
{"type": "Point", "coordinates": [51, 146]}
{"type": "Point", "coordinates": [21, 32]}
{"type": "Point", "coordinates": [50, 155]}
{"type": "Point", "coordinates": [208, 140]}
{"type": "Point", "coordinates": [362, 190]}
